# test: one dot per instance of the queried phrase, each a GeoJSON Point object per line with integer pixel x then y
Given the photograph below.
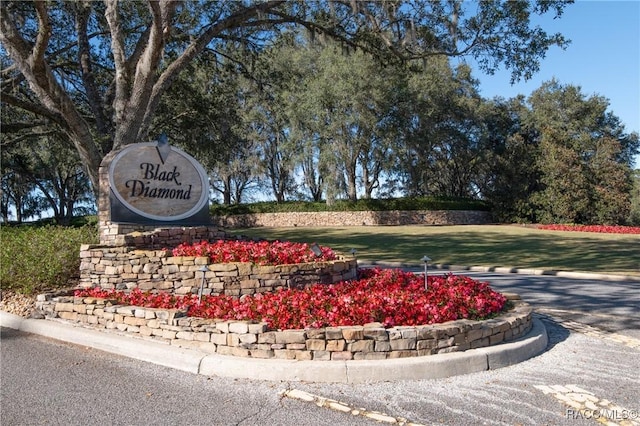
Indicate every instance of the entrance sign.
{"type": "Point", "coordinates": [154, 181]}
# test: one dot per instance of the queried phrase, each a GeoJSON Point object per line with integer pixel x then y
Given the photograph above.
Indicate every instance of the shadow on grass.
{"type": "Point", "coordinates": [522, 249]}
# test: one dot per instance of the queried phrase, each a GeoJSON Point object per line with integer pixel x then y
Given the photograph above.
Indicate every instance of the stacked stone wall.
{"type": "Point", "coordinates": [121, 233]}
{"type": "Point", "coordinates": [255, 340]}
{"type": "Point", "coordinates": [354, 218]}
{"type": "Point", "coordinates": [127, 268]}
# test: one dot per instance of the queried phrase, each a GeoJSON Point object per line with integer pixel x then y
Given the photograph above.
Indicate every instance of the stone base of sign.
{"type": "Point", "coordinates": [153, 236]}
{"type": "Point", "coordinates": [138, 265]}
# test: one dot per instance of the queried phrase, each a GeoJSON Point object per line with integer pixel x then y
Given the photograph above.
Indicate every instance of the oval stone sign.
{"type": "Point", "coordinates": [159, 182]}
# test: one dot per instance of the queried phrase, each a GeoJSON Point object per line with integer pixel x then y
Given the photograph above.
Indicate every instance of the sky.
{"type": "Point", "coordinates": [603, 58]}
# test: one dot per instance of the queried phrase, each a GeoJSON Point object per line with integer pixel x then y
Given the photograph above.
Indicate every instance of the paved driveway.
{"type": "Point", "coordinates": [48, 382]}
{"type": "Point", "coordinates": [590, 371]}
{"type": "Point", "coordinates": [610, 305]}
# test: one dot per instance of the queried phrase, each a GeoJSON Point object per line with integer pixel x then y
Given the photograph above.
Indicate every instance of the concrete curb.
{"type": "Point", "coordinates": [534, 343]}
{"type": "Point", "coordinates": [504, 270]}
{"type": "Point", "coordinates": [148, 351]}
{"type": "Point", "coordinates": [192, 361]}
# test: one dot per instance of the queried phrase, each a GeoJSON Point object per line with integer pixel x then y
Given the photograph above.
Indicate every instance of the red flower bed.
{"type": "Point", "coordinates": [391, 297]}
{"type": "Point", "coordinates": [261, 253]}
{"type": "Point", "coordinates": [607, 229]}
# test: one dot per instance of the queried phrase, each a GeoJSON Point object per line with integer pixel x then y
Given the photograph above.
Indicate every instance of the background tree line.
{"type": "Point", "coordinates": [306, 100]}
{"type": "Point", "coordinates": [318, 121]}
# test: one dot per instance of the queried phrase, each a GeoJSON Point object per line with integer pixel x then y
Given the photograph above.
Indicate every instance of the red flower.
{"type": "Point", "coordinates": [261, 253]}
{"type": "Point", "coordinates": [608, 229]}
{"type": "Point", "coordinates": [392, 297]}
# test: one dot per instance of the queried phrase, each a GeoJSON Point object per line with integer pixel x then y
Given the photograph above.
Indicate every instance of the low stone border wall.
{"type": "Point", "coordinates": [355, 218]}
{"type": "Point", "coordinates": [247, 339]}
{"type": "Point", "coordinates": [126, 268]}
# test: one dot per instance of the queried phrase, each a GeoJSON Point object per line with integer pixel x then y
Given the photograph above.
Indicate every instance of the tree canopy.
{"type": "Point", "coordinates": [98, 70]}
{"type": "Point", "coordinates": [307, 100]}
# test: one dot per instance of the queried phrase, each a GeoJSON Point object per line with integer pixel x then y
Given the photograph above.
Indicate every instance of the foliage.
{"type": "Point", "coordinates": [517, 154]}
{"type": "Point", "coordinates": [206, 112]}
{"type": "Point", "coordinates": [593, 228]}
{"type": "Point", "coordinates": [17, 196]}
{"type": "Point", "coordinates": [260, 252]}
{"type": "Point", "coordinates": [74, 222]}
{"type": "Point", "coordinates": [343, 115]}
{"type": "Point", "coordinates": [560, 157]}
{"type": "Point", "coordinates": [270, 96]}
{"type": "Point", "coordinates": [584, 158]}
{"type": "Point", "coordinates": [35, 258]}
{"type": "Point", "coordinates": [509, 172]}
{"type": "Point", "coordinates": [314, 100]}
{"type": "Point", "coordinates": [391, 297]}
{"type": "Point", "coordinates": [50, 173]}
{"type": "Point", "coordinates": [441, 144]}
{"type": "Point", "coordinates": [634, 216]}
{"type": "Point", "coordinates": [98, 70]}
{"type": "Point", "coordinates": [408, 203]}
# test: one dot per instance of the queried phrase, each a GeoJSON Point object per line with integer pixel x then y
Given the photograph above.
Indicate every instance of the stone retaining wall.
{"type": "Point", "coordinates": [355, 218]}
{"type": "Point", "coordinates": [126, 268]}
{"type": "Point", "coordinates": [118, 234]}
{"type": "Point", "coordinates": [248, 339]}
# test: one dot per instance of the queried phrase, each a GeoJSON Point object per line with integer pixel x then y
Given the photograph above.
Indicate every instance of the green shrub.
{"type": "Point", "coordinates": [409, 203]}
{"type": "Point", "coordinates": [35, 258]}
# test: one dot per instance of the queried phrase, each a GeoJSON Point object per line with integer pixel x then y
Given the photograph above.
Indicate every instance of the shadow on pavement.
{"type": "Point", "coordinates": [555, 332]}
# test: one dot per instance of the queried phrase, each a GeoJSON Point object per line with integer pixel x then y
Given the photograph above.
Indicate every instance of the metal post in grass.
{"type": "Point", "coordinates": [204, 270]}
{"type": "Point", "coordinates": [426, 261]}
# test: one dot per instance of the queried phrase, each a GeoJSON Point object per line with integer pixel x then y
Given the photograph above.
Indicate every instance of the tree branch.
{"type": "Point", "coordinates": [34, 68]}
{"type": "Point", "coordinates": [35, 108]}
{"type": "Point", "coordinates": [42, 39]}
{"type": "Point", "coordinates": [166, 78]}
{"type": "Point", "coordinates": [132, 103]}
{"type": "Point", "coordinates": [30, 135]}
{"type": "Point", "coordinates": [15, 127]}
{"type": "Point", "coordinates": [119, 59]}
{"type": "Point", "coordinates": [83, 8]}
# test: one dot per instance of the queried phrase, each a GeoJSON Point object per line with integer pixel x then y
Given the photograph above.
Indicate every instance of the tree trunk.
{"type": "Point", "coordinates": [352, 193]}
{"type": "Point", "coordinates": [226, 195]}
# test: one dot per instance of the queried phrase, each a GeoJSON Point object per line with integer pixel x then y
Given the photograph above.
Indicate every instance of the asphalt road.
{"type": "Point", "coordinates": [607, 304]}
{"type": "Point", "coordinates": [47, 382]}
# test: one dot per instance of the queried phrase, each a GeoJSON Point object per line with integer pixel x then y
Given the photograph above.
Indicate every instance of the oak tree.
{"type": "Point", "coordinates": [98, 70]}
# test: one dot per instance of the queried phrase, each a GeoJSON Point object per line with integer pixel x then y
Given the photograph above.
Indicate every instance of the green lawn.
{"type": "Point", "coordinates": [487, 245]}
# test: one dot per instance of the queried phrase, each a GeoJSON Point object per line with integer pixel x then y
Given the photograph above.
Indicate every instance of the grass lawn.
{"type": "Point", "coordinates": [486, 245]}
